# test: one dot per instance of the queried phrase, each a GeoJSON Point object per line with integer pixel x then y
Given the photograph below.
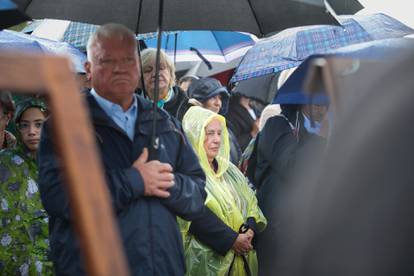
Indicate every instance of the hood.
{"type": "Point", "coordinates": [194, 122]}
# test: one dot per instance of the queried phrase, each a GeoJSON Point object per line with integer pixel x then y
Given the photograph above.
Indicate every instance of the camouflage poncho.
{"type": "Point", "coordinates": [24, 224]}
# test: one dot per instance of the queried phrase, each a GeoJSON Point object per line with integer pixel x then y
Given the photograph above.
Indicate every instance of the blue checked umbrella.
{"type": "Point", "coordinates": [292, 92]}
{"type": "Point", "coordinates": [289, 48]}
{"type": "Point", "coordinates": [77, 34]}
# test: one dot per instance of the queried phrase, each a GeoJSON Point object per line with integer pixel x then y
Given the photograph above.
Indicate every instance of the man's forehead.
{"type": "Point", "coordinates": [108, 45]}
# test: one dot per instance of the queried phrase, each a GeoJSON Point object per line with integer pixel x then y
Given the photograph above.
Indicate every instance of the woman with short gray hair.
{"type": "Point", "coordinates": [171, 97]}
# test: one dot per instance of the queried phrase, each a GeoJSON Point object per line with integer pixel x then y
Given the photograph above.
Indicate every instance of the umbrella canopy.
{"type": "Point", "coordinates": [257, 17]}
{"type": "Point", "coordinates": [262, 88]}
{"type": "Point", "coordinates": [290, 47]}
{"type": "Point", "coordinates": [292, 92]}
{"type": "Point", "coordinates": [15, 41]}
{"type": "Point", "coordinates": [74, 33]}
{"type": "Point", "coordinates": [10, 15]}
{"type": "Point", "coordinates": [215, 46]}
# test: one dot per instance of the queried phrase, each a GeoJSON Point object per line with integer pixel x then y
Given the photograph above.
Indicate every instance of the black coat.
{"type": "Point", "coordinates": [178, 105]}
{"type": "Point", "coordinates": [148, 227]}
{"type": "Point", "coordinates": [240, 123]}
{"type": "Point", "coordinates": [278, 150]}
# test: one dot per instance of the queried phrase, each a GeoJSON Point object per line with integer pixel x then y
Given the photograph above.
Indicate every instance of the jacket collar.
{"type": "Point", "coordinates": [144, 118]}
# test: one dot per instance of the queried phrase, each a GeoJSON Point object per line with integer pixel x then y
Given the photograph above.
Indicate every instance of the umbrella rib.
{"type": "Point", "coordinates": [255, 18]}
{"type": "Point", "coordinates": [27, 5]}
{"type": "Point", "coordinates": [139, 15]}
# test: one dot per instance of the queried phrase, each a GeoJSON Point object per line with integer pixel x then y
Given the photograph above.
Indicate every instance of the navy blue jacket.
{"type": "Point", "coordinates": [148, 227]}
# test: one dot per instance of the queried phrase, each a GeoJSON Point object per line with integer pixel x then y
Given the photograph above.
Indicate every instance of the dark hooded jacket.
{"type": "Point", "coordinates": [148, 227]}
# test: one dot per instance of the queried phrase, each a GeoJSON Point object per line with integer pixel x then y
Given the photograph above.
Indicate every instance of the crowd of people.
{"type": "Point", "coordinates": [202, 208]}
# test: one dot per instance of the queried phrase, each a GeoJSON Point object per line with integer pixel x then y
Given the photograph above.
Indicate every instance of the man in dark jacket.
{"type": "Point", "coordinates": [146, 195]}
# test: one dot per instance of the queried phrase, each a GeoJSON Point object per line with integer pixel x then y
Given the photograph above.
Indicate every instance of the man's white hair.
{"type": "Point", "coordinates": [110, 30]}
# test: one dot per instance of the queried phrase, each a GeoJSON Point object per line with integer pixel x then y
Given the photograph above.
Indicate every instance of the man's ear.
{"type": "Point", "coordinates": [87, 66]}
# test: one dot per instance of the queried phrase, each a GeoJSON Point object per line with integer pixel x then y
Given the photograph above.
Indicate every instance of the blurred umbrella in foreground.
{"type": "Point", "coordinates": [352, 214]}
{"type": "Point", "coordinates": [15, 41]}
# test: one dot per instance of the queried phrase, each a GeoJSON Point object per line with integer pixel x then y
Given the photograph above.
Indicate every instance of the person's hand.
{"type": "Point", "coordinates": [250, 233]}
{"type": "Point", "coordinates": [157, 176]}
{"type": "Point", "coordinates": [243, 244]}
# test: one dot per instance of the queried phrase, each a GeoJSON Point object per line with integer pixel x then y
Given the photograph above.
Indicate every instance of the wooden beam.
{"type": "Point", "coordinates": [75, 144]}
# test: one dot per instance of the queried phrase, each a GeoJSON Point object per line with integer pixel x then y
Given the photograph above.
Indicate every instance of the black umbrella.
{"type": "Point", "coordinates": [10, 15]}
{"type": "Point", "coordinates": [262, 88]}
{"type": "Point", "coordinates": [258, 17]}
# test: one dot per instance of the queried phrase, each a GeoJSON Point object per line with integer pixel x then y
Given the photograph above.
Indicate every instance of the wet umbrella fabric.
{"type": "Point", "coordinates": [292, 92]}
{"type": "Point", "coordinates": [258, 17]}
{"type": "Point", "coordinates": [77, 33]}
{"type": "Point", "coordinates": [15, 41]}
{"type": "Point", "coordinates": [10, 15]}
{"type": "Point", "coordinates": [215, 46]}
{"type": "Point", "coordinates": [290, 47]}
{"type": "Point", "coordinates": [262, 88]}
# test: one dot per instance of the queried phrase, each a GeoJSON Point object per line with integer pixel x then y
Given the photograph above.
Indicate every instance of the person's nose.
{"type": "Point", "coordinates": [120, 66]}
{"type": "Point", "coordinates": [216, 138]}
{"type": "Point", "coordinates": [33, 130]}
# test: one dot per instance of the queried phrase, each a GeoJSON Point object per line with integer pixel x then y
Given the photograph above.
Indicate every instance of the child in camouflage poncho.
{"type": "Point", "coordinates": [24, 224]}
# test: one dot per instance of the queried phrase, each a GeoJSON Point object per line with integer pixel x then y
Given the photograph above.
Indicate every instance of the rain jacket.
{"type": "Point", "coordinates": [228, 196]}
{"type": "Point", "coordinates": [147, 225]}
{"type": "Point", "coordinates": [24, 243]}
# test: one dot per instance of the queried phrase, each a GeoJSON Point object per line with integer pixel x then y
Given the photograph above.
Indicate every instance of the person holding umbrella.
{"type": "Point", "coordinates": [147, 195]}
{"type": "Point", "coordinates": [295, 132]}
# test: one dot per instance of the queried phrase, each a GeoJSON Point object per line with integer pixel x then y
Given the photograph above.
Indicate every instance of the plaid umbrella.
{"type": "Point", "coordinates": [76, 33]}
{"type": "Point", "coordinates": [289, 48]}
{"type": "Point", "coordinates": [292, 91]}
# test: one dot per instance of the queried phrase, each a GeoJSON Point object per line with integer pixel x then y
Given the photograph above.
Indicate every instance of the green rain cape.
{"type": "Point", "coordinates": [24, 241]}
{"type": "Point", "coordinates": [228, 196]}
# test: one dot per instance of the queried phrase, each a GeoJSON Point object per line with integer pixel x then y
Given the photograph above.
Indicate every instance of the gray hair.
{"type": "Point", "coordinates": [110, 30]}
{"type": "Point", "coordinates": [149, 55]}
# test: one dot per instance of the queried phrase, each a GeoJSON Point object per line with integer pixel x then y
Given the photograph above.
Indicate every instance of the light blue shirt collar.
{"type": "Point", "coordinates": [124, 119]}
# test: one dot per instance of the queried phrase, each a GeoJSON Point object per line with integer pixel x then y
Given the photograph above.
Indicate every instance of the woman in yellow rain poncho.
{"type": "Point", "coordinates": [228, 196]}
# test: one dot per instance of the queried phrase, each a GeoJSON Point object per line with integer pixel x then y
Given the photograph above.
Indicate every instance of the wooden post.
{"type": "Point", "coordinates": [89, 198]}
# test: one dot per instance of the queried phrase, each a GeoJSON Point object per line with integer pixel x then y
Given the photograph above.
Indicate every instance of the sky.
{"type": "Point", "coordinates": [399, 9]}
